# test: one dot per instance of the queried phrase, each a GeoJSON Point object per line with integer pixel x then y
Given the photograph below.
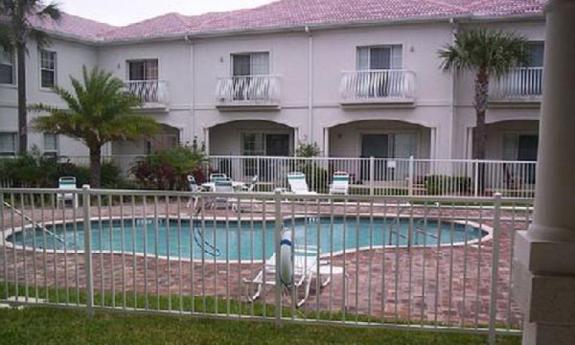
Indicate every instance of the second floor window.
{"type": "Point", "coordinates": [48, 65]}
{"type": "Point", "coordinates": [535, 54]}
{"type": "Point", "coordinates": [143, 69]}
{"type": "Point", "coordinates": [251, 64]}
{"type": "Point", "coordinates": [6, 67]}
{"type": "Point", "coordinates": [7, 144]}
{"type": "Point", "coordinates": [379, 57]}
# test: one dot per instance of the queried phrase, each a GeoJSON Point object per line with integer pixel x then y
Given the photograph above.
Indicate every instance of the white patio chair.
{"type": "Point", "coordinates": [297, 183]}
{"type": "Point", "coordinates": [67, 183]}
{"type": "Point", "coordinates": [194, 188]}
{"type": "Point", "coordinates": [224, 186]}
{"type": "Point", "coordinates": [304, 269]}
{"type": "Point", "coordinates": [340, 183]}
{"type": "Point", "coordinates": [252, 185]}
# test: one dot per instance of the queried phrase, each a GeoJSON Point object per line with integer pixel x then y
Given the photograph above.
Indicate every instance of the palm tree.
{"type": "Point", "coordinates": [15, 31]}
{"type": "Point", "coordinates": [488, 53]}
{"type": "Point", "coordinates": [97, 113]}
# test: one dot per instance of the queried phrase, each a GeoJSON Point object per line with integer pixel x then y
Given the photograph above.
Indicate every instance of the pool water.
{"type": "Point", "coordinates": [245, 240]}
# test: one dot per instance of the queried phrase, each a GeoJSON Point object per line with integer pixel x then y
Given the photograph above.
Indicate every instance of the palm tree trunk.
{"type": "Point", "coordinates": [22, 106]}
{"type": "Point", "coordinates": [95, 167]}
{"type": "Point", "coordinates": [480, 133]}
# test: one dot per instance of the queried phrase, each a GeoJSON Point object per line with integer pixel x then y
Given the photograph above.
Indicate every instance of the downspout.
{"type": "Point", "coordinates": [192, 66]}
{"type": "Point", "coordinates": [310, 84]}
{"type": "Point", "coordinates": [452, 105]}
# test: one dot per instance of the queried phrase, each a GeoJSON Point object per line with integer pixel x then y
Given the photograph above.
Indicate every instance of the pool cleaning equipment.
{"type": "Point", "coordinates": [286, 253]}
{"type": "Point", "coordinates": [34, 224]}
{"type": "Point", "coordinates": [200, 238]}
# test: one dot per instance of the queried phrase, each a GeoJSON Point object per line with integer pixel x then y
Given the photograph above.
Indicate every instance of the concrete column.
{"type": "Point", "coordinates": [544, 282]}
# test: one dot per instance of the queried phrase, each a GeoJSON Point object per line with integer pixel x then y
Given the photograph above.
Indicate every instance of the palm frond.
{"type": "Point", "coordinates": [51, 11]}
{"type": "Point", "coordinates": [493, 51]}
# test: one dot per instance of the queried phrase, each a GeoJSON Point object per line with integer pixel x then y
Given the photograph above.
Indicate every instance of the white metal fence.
{"type": "Point", "coordinates": [377, 84]}
{"type": "Point", "coordinates": [388, 176]}
{"type": "Point", "coordinates": [523, 82]}
{"type": "Point", "coordinates": [149, 91]}
{"type": "Point", "coordinates": [250, 89]}
{"type": "Point", "coordinates": [368, 176]}
{"type": "Point", "coordinates": [417, 262]}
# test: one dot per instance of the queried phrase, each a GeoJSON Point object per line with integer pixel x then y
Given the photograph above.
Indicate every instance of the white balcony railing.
{"type": "Point", "coordinates": [377, 85]}
{"type": "Point", "coordinates": [149, 91]}
{"type": "Point", "coordinates": [248, 90]}
{"type": "Point", "coordinates": [519, 83]}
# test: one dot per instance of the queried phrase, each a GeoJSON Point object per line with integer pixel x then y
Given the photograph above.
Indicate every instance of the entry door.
{"type": "Point", "coordinates": [527, 151]}
{"type": "Point", "coordinates": [374, 145]}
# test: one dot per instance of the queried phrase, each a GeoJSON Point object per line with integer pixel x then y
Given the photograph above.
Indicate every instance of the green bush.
{"type": "Point", "coordinates": [34, 170]}
{"type": "Point", "coordinates": [445, 184]}
{"type": "Point", "coordinates": [168, 169]}
{"type": "Point", "coordinates": [317, 178]}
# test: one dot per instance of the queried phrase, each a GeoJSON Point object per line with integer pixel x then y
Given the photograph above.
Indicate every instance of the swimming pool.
{"type": "Point", "coordinates": [244, 240]}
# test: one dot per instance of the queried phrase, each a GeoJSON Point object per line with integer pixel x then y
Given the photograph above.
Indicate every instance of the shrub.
{"type": "Point", "coordinates": [168, 169]}
{"type": "Point", "coordinates": [317, 178]}
{"type": "Point", "coordinates": [445, 184]}
{"type": "Point", "coordinates": [35, 170]}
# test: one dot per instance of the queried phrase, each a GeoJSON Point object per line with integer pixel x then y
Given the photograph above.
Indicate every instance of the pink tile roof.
{"type": "Point", "coordinates": [285, 14]}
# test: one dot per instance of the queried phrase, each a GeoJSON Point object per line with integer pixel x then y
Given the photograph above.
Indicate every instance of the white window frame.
{"type": "Point", "coordinates": [55, 70]}
{"type": "Point", "coordinates": [15, 145]}
{"type": "Point", "coordinates": [391, 60]}
{"type": "Point", "coordinates": [51, 152]}
{"type": "Point", "coordinates": [251, 53]}
{"type": "Point", "coordinates": [12, 63]}
{"type": "Point", "coordinates": [145, 61]}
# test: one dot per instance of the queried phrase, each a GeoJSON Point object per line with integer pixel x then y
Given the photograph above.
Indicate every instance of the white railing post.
{"type": "Point", "coordinates": [371, 175]}
{"type": "Point", "coordinates": [494, 269]}
{"type": "Point", "coordinates": [475, 178]}
{"type": "Point", "coordinates": [410, 176]}
{"type": "Point", "coordinates": [277, 244]}
{"type": "Point", "coordinates": [88, 250]}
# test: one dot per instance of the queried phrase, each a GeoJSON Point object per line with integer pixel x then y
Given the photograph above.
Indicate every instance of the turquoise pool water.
{"type": "Point", "coordinates": [245, 240]}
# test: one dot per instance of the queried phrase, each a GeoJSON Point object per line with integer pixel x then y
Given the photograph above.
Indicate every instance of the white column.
{"type": "Point", "coordinates": [326, 142]}
{"type": "Point", "coordinates": [207, 140]}
{"type": "Point", "coordinates": [544, 258]}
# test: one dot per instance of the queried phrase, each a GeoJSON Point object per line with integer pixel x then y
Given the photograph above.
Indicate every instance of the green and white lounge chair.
{"type": "Point", "coordinates": [298, 184]}
{"type": "Point", "coordinates": [340, 183]}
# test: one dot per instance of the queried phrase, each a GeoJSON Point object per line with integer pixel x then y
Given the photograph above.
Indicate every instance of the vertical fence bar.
{"type": "Point", "coordinates": [277, 245]}
{"type": "Point", "coordinates": [494, 269]}
{"type": "Point", "coordinates": [371, 175]}
{"type": "Point", "coordinates": [88, 250]}
{"type": "Point", "coordinates": [410, 176]}
{"type": "Point", "coordinates": [476, 178]}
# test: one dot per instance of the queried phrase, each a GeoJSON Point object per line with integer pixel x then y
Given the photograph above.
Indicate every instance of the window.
{"type": "Point", "coordinates": [251, 64]}
{"type": "Point", "coordinates": [51, 145]}
{"type": "Point", "coordinates": [520, 147]}
{"type": "Point", "coordinates": [535, 58]}
{"type": "Point", "coordinates": [143, 70]}
{"type": "Point", "coordinates": [47, 68]}
{"type": "Point", "coordinates": [7, 144]}
{"type": "Point", "coordinates": [6, 67]}
{"type": "Point", "coordinates": [380, 57]}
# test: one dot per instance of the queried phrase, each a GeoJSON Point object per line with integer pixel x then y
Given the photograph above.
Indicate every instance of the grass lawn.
{"type": "Point", "coordinates": [36, 325]}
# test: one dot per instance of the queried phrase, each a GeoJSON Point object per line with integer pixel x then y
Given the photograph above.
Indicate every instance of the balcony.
{"type": "Point", "coordinates": [152, 93]}
{"type": "Point", "coordinates": [251, 92]}
{"type": "Point", "coordinates": [377, 87]}
{"type": "Point", "coordinates": [522, 85]}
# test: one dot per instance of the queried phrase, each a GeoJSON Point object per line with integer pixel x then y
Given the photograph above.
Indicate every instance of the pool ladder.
{"type": "Point", "coordinates": [416, 227]}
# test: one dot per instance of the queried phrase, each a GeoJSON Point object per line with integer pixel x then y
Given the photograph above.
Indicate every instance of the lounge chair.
{"type": "Point", "coordinates": [304, 269]}
{"type": "Point", "coordinates": [340, 183]}
{"type": "Point", "coordinates": [67, 183]}
{"type": "Point", "coordinates": [218, 177]}
{"type": "Point", "coordinates": [224, 186]}
{"type": "Point", "coordinates": [297, 184]}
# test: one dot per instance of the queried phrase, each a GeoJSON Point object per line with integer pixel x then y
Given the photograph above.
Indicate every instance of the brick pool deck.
{"type": "Point", "coordinates": [448, 285]}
